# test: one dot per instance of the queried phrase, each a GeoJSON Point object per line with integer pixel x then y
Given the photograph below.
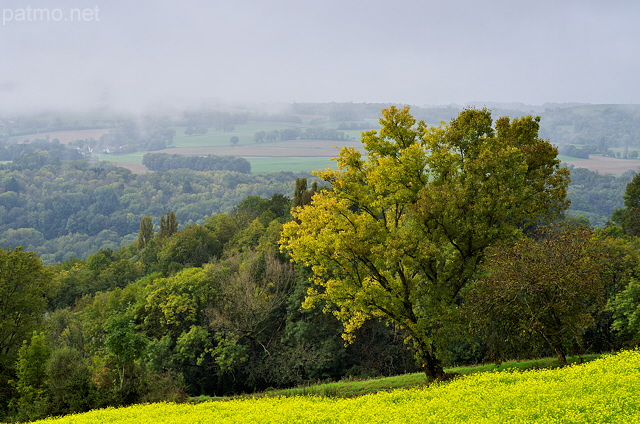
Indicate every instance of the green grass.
{"type": "Point", "coordinates": [276, 164]}
{"type": "Point", "coordinates": [565, 158]}
{"type": "Point", "coordinates": [245, 132]}
{"type": "Point", "coordinates": [354, 387]}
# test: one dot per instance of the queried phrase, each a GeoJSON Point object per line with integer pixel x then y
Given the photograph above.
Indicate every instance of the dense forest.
{"type": "Point", "coordinates": [73, 208]}
{"type": "Point", "coordinates": [610, 130]}
{"type": "Point", "coordinates": [595, 196]}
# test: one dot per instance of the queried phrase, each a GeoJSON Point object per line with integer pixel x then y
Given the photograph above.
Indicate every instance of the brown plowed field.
{"type": "Point", "coordinates": [67, 136]}
{"type": "Point", "coordinates": [606, 165]}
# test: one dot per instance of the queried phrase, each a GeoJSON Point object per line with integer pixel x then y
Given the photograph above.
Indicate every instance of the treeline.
{"type": "Point", "coordinates": [309, 133]}
{"type": "Point", "coordinates": [211, 309]}
{"type": "Point", "coordinates": [36, 154]}
{"type": "Point", "coordinates": [74, 208]}
{"type": "Point", "coordinates": [203, 118]}
{"type": "Point", "coordinates": [596, 127]}
{"type": "Point", "coordinates": [166, 162]}
{"type": "Point", "coordinates": [337, 112]}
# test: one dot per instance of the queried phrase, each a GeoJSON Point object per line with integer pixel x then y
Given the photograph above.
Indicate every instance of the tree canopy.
{"type": "Point", "coordinates": [406, 225]}
{"type": "Point", "coordinates": [544, 289]}
{"type": "Point", "coordinates": [24, 285]}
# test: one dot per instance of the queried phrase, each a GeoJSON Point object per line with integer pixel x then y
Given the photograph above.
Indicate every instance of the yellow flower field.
{"type": "Point", "coordinates": [603, 391]}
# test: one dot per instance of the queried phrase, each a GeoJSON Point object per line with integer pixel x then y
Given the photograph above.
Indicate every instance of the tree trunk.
{"type": "Point", "coordinates": [433, 369]}
{"type": "Point", "coordinates": [430, 364]}
{"type": "Point", "coordinates": [562, 357]}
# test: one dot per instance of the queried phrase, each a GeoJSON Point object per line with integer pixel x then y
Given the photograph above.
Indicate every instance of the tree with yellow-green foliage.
{"type": "Point", "coordinates": [406, 225]}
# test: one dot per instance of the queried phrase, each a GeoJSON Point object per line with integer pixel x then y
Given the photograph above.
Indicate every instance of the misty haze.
{"type": "Point", "coordinates": [133, 56]}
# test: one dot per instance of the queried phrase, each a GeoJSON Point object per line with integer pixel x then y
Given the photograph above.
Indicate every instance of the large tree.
{"type": "Point", "coordinates": [406, 224]}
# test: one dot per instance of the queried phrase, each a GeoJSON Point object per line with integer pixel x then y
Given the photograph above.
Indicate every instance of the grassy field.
{"type": "Point", "coordinates": [244, 132]}
{"type": "Point", "coordinates": [353, 388]}
{"type": "Point", "coordinates": [291, 155]}
{"type": "Point", "coordinates": [307, 156]}
{"type": "Point", "coordinates": [601, 391]}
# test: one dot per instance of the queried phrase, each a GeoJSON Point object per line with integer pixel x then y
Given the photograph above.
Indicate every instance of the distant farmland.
{"type": "Point", "coordinates": [65, 137]}
{"type": "Point", "coordinates": [291, 155]}
{"type": "Point", "coordinates": [310, 155]}
{"type": "Point", "coordinates": [606, 165]}
{"type": "Point", "coordinates": [295, 155]}
{"type": "Point", "coordinates": [276, 149]}
{"type": "Point", "coordinates": [288, 155]}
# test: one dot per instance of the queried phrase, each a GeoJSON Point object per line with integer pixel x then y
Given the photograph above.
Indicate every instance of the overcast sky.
{"type": "Point", "coordinates": [137, 53]}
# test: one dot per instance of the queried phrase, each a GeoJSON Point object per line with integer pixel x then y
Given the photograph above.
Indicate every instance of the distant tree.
{"type": "Point", "coordinates": [68, 381]}
{"type": "Point", "coordinates": [234, 140]}
{"type": "Point", "coordinates": [302, 195]}
{"type": "Point", "coordinates": [187, 187]}
{"type": "Point", "coordinates": [124, 345]}
{"type": "Point", "coordinates": [145, 235]}
{"type": "Point", "coordinates": [193, 246]}
{"type": "Point", "coordinates": [31, 373]}
{"type": "Point", "coordinates": [172, 305]}
{"type": "Point", "coordinates": [168, 225]}
{"type": "Point", "coordinates": [254, 206]}
{"type": "Point", "coordinates": [106, 200]}
{"type": "Point", "coordinates": [197, 130]}
{"type": "Point", "coordinates": [12, 185]}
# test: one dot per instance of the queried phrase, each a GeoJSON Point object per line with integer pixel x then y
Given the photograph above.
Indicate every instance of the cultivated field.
{"type": "Point", "coordinates": [602, 391]}
{"type": "Point", "coordinates": [277, 149]}
{"type": "Point", "coordinates": [606, 165]}
{"type": "Point", "coordinates": [65, 136]}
